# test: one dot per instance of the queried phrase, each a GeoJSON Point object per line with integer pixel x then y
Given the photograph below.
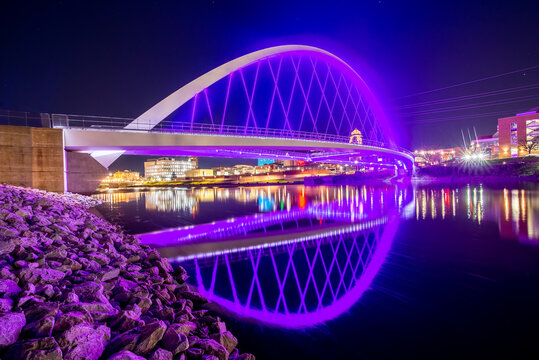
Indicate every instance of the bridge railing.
{"type": "Point", "coordinates": [128, 124]}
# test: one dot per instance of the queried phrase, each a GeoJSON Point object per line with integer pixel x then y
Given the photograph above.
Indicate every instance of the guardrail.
{"type": "Point", "coordinates": [23, 118]}
{"type": "Point", "coordinates": [126, 124]}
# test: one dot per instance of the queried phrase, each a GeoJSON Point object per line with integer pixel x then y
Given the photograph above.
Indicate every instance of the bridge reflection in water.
{"type": "Point", "coordinates": [294, 268]}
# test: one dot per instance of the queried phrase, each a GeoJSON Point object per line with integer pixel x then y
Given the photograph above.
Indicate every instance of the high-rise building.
{"type": "Point", "coordinates": [164, 169]}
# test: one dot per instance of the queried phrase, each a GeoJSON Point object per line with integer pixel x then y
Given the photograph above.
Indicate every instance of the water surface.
{"type": "Point", "coordinates": [355, 271]}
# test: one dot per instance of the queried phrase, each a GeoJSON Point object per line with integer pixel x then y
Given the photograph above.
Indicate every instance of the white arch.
{"type": "Point", "coordinates": [168, 105]}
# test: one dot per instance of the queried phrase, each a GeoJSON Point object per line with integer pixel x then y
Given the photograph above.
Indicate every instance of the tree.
{"type": "Point", "coordinates": [428, 156]}
{"type": "Point", "coordinates": [529, 145]}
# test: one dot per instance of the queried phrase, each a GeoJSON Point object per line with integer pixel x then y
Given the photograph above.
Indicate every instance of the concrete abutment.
{"type": "Point", "coordinates": [35, 157]}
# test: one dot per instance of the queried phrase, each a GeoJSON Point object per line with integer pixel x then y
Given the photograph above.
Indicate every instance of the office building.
{"type": "Point", "coordinates": [165, 169]}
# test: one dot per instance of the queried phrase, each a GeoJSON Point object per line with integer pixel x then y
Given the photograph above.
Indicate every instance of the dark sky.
{"type": "Point", "coordinates": [117, 58]}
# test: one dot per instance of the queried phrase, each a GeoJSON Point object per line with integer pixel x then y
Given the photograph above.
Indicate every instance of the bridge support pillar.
{"type": "Point", "coordinates": [34, 157]}
{"type": "Point", "coordinates": [83, 172]}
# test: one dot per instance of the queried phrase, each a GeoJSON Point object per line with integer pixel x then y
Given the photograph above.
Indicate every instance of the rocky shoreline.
{"type": "Point", "coordinates": [74, 286]}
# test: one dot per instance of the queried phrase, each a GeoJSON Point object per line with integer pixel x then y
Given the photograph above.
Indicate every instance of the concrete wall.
{"type": "Point", "coordinates": [32, 157]}
{"type": "Point", "coordinates": [84, 173]}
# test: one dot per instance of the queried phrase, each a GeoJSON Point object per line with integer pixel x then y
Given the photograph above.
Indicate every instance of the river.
{"type": "Point", "coordinates": [376, 272]}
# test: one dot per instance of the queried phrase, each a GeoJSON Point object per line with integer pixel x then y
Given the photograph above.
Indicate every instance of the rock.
{"type": "Point", "coordinates": [209, 357]}
{"type": "Point", "coordinates": [11, 325]}
{"type": "Point", "coordinates": [191, 295]}
{"type": "Point", "coordinates": [108, 274]}
{"type": "Point", "coordinates": [9, 287]}
{"type": "Point", "coordinates": [79, 278]}
{"type": "Point", "coordinates": [43, 276]}
{"type": "Point", "coordinates": [174, 340]}
{"type": "Point", "coordinates": [6, 305]}
{"type": "Point", "coordinates": [212, 347]}
{"type": "Point", "coordinates": [161, 354]}
{"type": "Point", "coordinates": [83, 341]}
{"type": "Point", "coordinates": [6, 245]}
{"type": "Point", "coordinates": [218, 327]}
{"type": "Point", "coordinates": [194, 353]}
{"type": "Point", "coordinates": [98, 311]}
{"type": "Point", "coordinates": [72, 298]}
{"type": "Point", "coordinates": [185, 328]}
{"type": "Point", "coordinates": [128, 319]}
{"type": "Point", "coordinates": [149, 337]}
{"type": "Point", "coordinates": [226, 339]}
{"type": "Point", "coordinates": [140, 340]}
{"type": "Point", "coordinates": [245, 356]}
{"type": "Point", "coordinates": [37, 311]}
{"type": "Point", "coordinates": [38, 349]}
{"type": "Point", "coordinates": [41, 328]}
{"type": "Point", "coordinates": [71, 319]}
{"type": "Point", "coordinates": [125, 355]}
{"type": "Point", "coordinates": [90, 291]}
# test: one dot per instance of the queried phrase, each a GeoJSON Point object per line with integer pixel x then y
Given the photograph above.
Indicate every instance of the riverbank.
{"type": "Point", "coordinates": [74, 286]}
{"type": "Point", "coordinates": [512, 169]}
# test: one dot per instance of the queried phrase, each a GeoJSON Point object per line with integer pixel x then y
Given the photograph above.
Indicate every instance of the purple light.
{"type": "Point", "coordinates": [528, 113]}
{"type": "Point", "coordinates": [280, 313]}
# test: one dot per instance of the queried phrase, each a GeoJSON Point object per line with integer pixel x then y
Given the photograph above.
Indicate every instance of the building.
{"type": "Point", "coordinates": [436, 157]}
{"type": "Point", "coordinates": [199, 173]}
{"type": "Point", "coordinates": [515, 131]}
{"type": "Point", "coordinates": [487, 145]}
{"type": "Point", "coordinates": [165, 169]}
{"type": "Point", "coordinates": [123, 177]}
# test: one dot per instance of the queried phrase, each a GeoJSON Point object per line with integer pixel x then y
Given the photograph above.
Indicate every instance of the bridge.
{"type": "Point", "coordinates": [291, 102]}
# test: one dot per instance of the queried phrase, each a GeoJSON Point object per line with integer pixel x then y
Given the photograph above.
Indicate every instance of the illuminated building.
{"type": "Point", "coordinates": [487, 145]}
{"type": "Point", "coordinates": [356, 137]}
{"type": "Point", "coordinates": [515, 130]}
{"type": "Point", "coordinates": [123, 177]}
{"type": "Point", "coordinates": [435, 157]}
{"type": "Point", "coordinates": [168, 168]}
{"type": "Point", "coordinates": [265, 161]}
{"type": "Point", "coordinates": [199, 172]}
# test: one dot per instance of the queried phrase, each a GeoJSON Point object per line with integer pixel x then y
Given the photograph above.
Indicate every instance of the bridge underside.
{"type": "Point", "coordinates": [101, 143]}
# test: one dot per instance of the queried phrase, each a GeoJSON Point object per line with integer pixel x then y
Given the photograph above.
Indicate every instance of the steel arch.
{"type": "Point", "coordinates": [290, 88]}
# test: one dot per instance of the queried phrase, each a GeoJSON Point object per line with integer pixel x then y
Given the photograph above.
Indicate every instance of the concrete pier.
{"type": "Point", "coordinates": [35, 157]}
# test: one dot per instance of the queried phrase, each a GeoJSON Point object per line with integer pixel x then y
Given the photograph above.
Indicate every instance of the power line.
{"type": "Point", "coordinates": [475, 106]}
{"type": "Point", "coordinates": [472, 96]}
{"type": "Point", "coordinates": [471, 82]}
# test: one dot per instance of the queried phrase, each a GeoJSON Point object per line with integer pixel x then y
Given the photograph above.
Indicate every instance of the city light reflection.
{"type": "Point", "coordinates": [515, 211]}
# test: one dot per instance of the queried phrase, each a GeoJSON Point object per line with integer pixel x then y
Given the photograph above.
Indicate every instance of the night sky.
{"type": "Point", "coordinates": [117, 58]}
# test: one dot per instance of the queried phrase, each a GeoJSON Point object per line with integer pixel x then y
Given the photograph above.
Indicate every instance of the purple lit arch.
{"type": "Point", "coordinates": [293, 89]}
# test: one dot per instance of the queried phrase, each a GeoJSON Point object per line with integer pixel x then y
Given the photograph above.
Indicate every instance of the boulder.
{"type": "Point", "coordinates": [41, 328]}
{"type": "Point", "coordinates": [6, 305]}
{"type": "Point", "coordinates": [9, 287]}
{"type": "Point", "coordinates": [39, 310]}
{"type": "Point", "coordinates": [226, 339]}
{"type": "Point", "coordinates": [83, 341]}
{"type": "Point", "coordinates": [140, 340]}
{"type": "Point", "coordinates": [43, 276]}
{"type": "Point", "coordinates": [161, 354]}
{"type": "Point", "coordinates": [212, 347]}
{"type": "Point", "coordinates": [209, 357]}
{"type": "Point", "coordinates": [125, 355]}
{"type": "Point", "coordinates": [71, 319]}
{"type": "Point", "coordinates": [174, 340]}
{"type": "Point", "coordinates": [11, 325]}
{"type": "Point", "coordinates": [37, 349]}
